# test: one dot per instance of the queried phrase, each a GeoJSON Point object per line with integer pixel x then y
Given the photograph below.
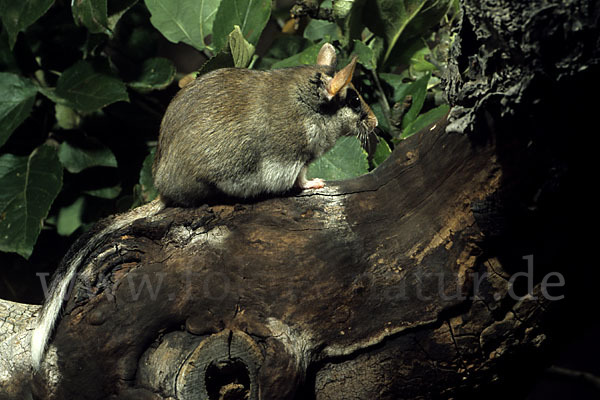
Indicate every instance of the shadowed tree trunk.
{"type": "Point", "coordinates": [431, 277]}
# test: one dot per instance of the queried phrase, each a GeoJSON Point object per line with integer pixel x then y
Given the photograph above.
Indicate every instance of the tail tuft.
{"type": "Point", "coordinates": [61, 281]}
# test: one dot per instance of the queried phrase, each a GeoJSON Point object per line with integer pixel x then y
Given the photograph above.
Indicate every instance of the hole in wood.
{"type": "Point", "coordinates": [227, 379]}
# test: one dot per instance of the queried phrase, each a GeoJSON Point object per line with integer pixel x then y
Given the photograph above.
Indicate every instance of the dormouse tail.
{"type": "Point", "coordinates": [62, 279]}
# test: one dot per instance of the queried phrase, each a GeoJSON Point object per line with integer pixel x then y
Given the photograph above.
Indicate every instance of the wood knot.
{"type": "Point", "coordinates": [224, 366]}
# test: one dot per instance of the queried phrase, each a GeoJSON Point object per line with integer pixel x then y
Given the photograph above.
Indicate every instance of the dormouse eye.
{"type": "Point", "coordinates": [352, 100]}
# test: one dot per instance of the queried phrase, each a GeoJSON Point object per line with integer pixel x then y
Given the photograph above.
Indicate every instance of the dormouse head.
{"type": "Point", "coordinates": [339, 95]}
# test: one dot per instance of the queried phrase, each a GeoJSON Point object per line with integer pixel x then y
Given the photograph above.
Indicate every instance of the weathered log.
{"type": "Point", "coordinates": [400, 284]}
{"type": "Point", "coordinates": [303, 279]}
{"type": "Point", "coordinates": [17, 320]}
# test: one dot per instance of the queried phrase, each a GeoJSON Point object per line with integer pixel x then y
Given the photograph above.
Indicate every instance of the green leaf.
{"type": "Point", "coordinates": [283, 47]}
{"type": "Point", "coordinates": [418, 62]}
{"type": "Point", "coordinates": [318, 29]}
{"type": "Point", "coordinates": [389, 18]}
{"type": "Point", "coordinates": [92, 14]}
{"type": "Point", "coordinates": [16, 101]}
{"type": "Point", "coordinates": [286, 46]}
{"type": "Point", "coordinates": [383, 122]}
{"type": "Point", "coordinates": [116, 10]}
{"type": "Point", "coordinates": [66, 117]}
{"type": "Point", "coordinates": [397, 84]}
{"type": "Point", "coordinates": [342, 8]}
{"type": "Point", "coordinates": [17, 15]}
{"type": "Point", "coordinates": [424, 120]}
{"type": "Point", "coordinates": [141, 38]}
{"type": "Point", "coordinates": [241, 50]}
{"type": "Point", "coordinates": [307, 56]}
{"type": "Point", "coordinates": [148, 191]}
{"type": "Point", "coordinates": [411, 39]}
{"type": "Point", "coordinates": [85, 89]}
{"type": "Point", "coordinates": [157, 73]}
{"type": "Point", "coordinates": [105, 193]}
{"type": "Point", "coordinates": [365, 54]}
{"type": "Point", "coordinates": [223, 59]}
{"type": "Point", "coordinates": [8, 61]}
{"type": "Point", "coordinates": [393, 19]}
{"type": "Point", "coordinates": [347, 159]}
{"type": "Point", "coordinates": [382, 152]}
{"type": "Point", "coordinates": [404, 51]}
{"type": "Point", "coordinates": [250, 15]}
{"type": "Point", "coordinates": [69, 217]}
{"type": "Point", "coordinates": [87, 152]}
{"type": "Point", "coordinates": [349, 16]}
{"type": "Point", "coordinates": [418, 91]}
{"type": "Point", "coordinates": [29, 186]}
{"type": "Point", "coordinates": [187, 21]}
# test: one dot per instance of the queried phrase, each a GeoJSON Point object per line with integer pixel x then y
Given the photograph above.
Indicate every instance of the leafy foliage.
{"type": "Point", "coordinates": [83, 89]}
{"type": "Point", "coordinates": [346, 160]}
{"type": "Point", "coordinates": [184, 21]}
{"type": "Point", "coordinates": [18, 15]}
{"type": "Point", "coordinates": [250, 15]}
{"type": "Point", "coordinates": [85, 85]}
{"type": "Point", "coordinates": [18, 95]}
{"type": "Point", "coordinates": [29, 186]}
{"type": "Point", "coordinates": [91, 153]}
{"type": "Point", "coordinates": [157, 73]}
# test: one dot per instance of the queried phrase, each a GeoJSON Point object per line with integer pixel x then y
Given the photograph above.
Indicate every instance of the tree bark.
{"type": "Point", "coordinates": [432, 277]}
{"type": "Point", "coordinates": [16, 322]}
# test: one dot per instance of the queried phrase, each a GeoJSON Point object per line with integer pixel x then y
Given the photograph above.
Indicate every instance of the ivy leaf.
{"type": "Point", "coordinates": [85, 89]}
{"type": "Point", "coordinates": [18, 95]}
{"type": "Point", "coordinates": [250, 15]}
{"type": "Point", "coordinates": [187, 21]}
{"type": "Point", "coordinates": [157, 73]}
{"type": "Point", "coordinates": [347, 159]}
{"type": "Point", "coordinates": [86, 153]}
{"type": "Point", "coordinates": [29, 186]}
{"type": "Point", "coordinates": [92, 14]}
{"type": "Point", "coordinates": [18, 15]}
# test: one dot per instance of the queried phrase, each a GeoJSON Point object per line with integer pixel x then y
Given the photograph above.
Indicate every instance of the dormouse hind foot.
{"type": "Point", "coordinates": [313, 184]}
{"type": "Point", "coordinates": [304, 183]}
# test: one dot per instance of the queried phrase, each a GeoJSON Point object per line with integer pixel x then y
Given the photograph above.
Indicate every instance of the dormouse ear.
{"type": "Point", "coordinates": [341, 78]}
{"type": "Point", "coordinates": [326, 56]}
